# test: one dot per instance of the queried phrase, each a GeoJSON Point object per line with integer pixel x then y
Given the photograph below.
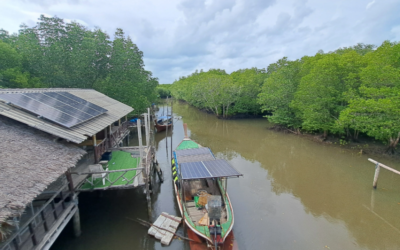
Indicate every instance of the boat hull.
{"type": "Point", "coordinates": [208, 239]}
{"type": "Point", "coordinates": [161, 128]}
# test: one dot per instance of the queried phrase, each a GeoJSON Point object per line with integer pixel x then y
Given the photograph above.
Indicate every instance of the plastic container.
{"type": "Point", "coordinates": [196, 201]}
{"type": "Point", "coordinates": [214, 207]}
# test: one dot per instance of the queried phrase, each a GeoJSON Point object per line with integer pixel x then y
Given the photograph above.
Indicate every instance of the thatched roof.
{"type": "Point", "coordinates": [30, 161]}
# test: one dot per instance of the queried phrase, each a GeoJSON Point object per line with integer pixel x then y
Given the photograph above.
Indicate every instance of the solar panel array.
{"type": "Point", "coordinates": [220, 168]}
{"type": "Point", "coordinates": [207, 169]}
{"type": "Point", "coordinates": [194, 170]}
{"type": "Point", "coordinates": [60, 107]}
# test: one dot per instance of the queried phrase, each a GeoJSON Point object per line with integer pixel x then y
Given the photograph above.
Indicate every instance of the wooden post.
{"type": "Point", "coordinates": [119, 122]}
{"type": "Point", "coordinates": [76, 219]}
{"type": "Point", "coordinates": [139, 129]}
{"type": "Point", "coordinates": [145, 170]}
{"type": "Point", "coordinates": [94, 149]}
{"type": "Point", "coordinates": [146, 129]}
{"type": "Point", "coordinates": [375, 183]}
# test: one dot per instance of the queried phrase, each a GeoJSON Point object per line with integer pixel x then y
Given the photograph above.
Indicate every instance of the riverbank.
{"type": "Point", "coordinates": [364, 146]}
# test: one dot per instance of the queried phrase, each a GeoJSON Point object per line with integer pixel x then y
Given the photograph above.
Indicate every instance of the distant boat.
{"type": "Point", "coordinates": [200, 184]}
{"type": "Point", "coordinates": [162, 122]}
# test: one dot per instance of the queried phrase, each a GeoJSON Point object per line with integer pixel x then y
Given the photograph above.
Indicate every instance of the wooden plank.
{"type": "Point", "coordinates": [171, 217]}
{"type": "Point", "coordinates": [161, 233]}
{"type": "Point", "coordinates": [164, 227]}
{"type": "Point", "coordinates": [190, 204]}
{"type": "Point", "coordinates": [158, 223]}
{"type": "Point", "coordinates": [166, 240]}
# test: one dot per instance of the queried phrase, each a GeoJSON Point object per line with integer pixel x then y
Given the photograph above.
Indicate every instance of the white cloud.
{"type": "Point", "coordinates": [180, 36]}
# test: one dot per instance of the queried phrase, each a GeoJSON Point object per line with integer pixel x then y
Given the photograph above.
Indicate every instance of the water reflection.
{"type": "Point", "coordinates": [298, 193]}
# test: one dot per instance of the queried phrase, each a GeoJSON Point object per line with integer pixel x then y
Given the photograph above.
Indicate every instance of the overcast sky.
{"type": "Point", "coordinates": [180, 36]}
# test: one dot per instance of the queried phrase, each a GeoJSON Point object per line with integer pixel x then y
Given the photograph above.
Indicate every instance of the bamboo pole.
{"type": "Point", "coordinates": [377, 169]}
{"type": "Point", "coordinates": [376, 175]}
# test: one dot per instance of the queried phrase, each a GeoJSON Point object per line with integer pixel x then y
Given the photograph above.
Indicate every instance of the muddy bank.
{"type": "Point", "coordinates": [364, 145]}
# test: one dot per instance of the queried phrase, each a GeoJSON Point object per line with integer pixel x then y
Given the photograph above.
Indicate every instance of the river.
{"type": "Point", "coordinates": [295, 193]}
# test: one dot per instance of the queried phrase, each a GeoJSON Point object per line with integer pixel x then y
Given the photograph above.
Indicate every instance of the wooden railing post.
{"type": "Point", "coordinates": [32, 231]}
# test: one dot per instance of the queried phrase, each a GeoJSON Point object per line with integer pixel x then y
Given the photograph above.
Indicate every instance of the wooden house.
{"type": "Point", "coordinates": [45, 135]}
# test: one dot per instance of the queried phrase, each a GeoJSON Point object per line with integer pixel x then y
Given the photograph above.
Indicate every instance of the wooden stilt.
{"type": "Point", "coordinates": [146, 129]}
{"type": "Point", "coordinates": [76, 219]}
{"type": "Point", "coordinates": [146, 170]}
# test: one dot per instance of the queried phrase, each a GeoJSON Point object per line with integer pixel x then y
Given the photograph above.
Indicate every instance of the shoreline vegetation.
{"type": "Point", "coordinates": [351, 94]}
{"type": "Point", "coordinates": [59, 54]}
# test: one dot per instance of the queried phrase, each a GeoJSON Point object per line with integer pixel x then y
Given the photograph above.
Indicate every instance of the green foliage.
{"type": "Point", "coordinates": [375, 108]}
{"type": "Point", "coordinates": [321, 94]}
{"type": "Point", "coordinates": [351, 90]}
{"type": "Point", "coordinates": [221, 93]}
{"type": "Point", "coordinates": [278, 92]}
{"type": "Point", "coordinates": [68, 55]}
{"type": "Point", "coordinates": [164, 91]}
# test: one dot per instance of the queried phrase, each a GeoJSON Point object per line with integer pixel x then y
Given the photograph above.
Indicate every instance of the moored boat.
{"type": "Point", "coordinates": [200, 184]}
{"type": "Point", "coordinates": [162, 122]}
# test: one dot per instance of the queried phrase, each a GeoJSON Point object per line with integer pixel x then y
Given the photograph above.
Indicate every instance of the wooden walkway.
{"type": "Point", "coordinates": [164, 227]}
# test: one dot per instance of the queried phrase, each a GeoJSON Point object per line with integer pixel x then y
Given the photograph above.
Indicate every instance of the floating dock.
{"type": "Point", "coordinates": [165, 227]}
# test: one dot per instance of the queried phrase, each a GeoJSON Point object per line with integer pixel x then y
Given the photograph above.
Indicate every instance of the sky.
{"type": "Point", "coordinates": [179, 36]}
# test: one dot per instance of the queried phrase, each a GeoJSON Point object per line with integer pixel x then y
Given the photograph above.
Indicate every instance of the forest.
{"type": "Point", "coordinates": [59, 54]}
{"type": "Point", "coordinates": [345, 92]}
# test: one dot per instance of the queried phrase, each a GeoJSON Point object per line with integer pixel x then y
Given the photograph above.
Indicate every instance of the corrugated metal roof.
{"type": "Point", "coordinates": [79, 133]}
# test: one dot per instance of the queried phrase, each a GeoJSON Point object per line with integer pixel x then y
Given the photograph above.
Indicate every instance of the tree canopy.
{"type": "Point", "coordinates": [350, 90]}
{"type": "Point", "coordinates": [59, 54]}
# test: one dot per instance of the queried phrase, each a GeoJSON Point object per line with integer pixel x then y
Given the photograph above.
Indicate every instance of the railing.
{"type": "Point", "coordinates": [111, 141]}
{"type": "Point", "coordinates": [128, 183]}
{"type": "Point", "coordinates": [377, 168]}
{"type": "Point", "coordinates": [117, 135]}
{"type": "Point", "coordinates": [33, 232]}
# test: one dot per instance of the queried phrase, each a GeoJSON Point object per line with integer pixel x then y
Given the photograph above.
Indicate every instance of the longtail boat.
{"type": "Point", "coordinates": [162, 122]}
{"type": "Point", "coordinates": [200, 184]}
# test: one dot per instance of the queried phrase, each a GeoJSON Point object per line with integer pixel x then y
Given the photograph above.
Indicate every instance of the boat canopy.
{"type": "Point", "coordinates": [207, 170]}
{"type": "Point", "coordinates": [194, 154]}
{"type": "Point", "coordinates": [165, 117]}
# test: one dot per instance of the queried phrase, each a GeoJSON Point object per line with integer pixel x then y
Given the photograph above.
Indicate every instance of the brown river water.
{"type": "Point", "coordinates": [295, 193]}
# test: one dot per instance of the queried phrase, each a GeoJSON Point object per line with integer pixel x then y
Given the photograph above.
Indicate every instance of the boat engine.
{"type": "Point", "coordinates": [214, 213]}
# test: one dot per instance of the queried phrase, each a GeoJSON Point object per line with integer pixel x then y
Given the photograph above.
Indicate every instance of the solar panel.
{"type": "Point", "coordinates": [60, 107]}
{"type": "Point", "coordinates": [194, 170]}
{"type": "Point", "coordinates": [220, 168]}
{"type": "Point", "coordinates": [193, 151]}
{"type": "Point", "coordinates": [207, 169]}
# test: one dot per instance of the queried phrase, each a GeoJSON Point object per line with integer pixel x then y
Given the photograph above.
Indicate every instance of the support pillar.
{"type": "Point", "coordinates": [76, 220]}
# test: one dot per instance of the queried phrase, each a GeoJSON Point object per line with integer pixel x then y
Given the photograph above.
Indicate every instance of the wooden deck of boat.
{"type": "Point", "coordinates": [191, 188]}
